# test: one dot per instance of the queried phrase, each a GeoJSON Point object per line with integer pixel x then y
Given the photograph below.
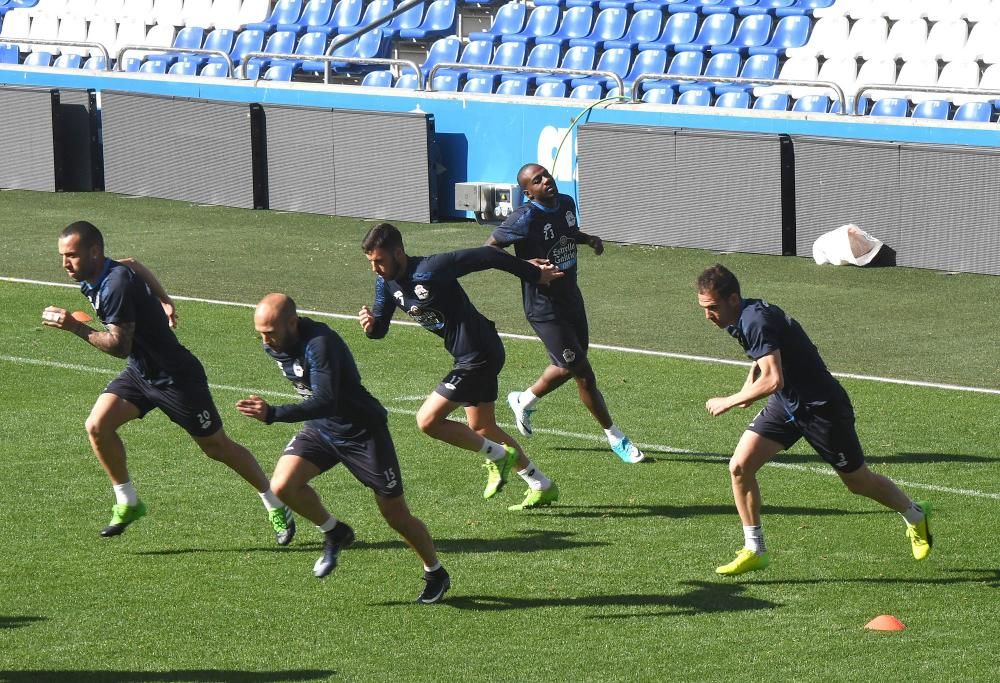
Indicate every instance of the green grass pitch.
{"type": "Point", "coordinates": [615, 582]}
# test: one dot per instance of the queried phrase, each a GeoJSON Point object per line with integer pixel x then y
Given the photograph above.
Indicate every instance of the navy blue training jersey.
{"type": "Point", "coordinates": [539, 232]}
{"type": "Point", "coordinates": [763, 328]}
{"type": "Point", "coordinates": [324, 373]}
{"type": "Point", "coordinates": [429, 292]}
{"type": "Point", "coordinates": [121, 296]}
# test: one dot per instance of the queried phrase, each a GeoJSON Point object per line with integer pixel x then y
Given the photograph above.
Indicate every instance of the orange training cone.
{"type": "Point", "coordinates": [885, 622]}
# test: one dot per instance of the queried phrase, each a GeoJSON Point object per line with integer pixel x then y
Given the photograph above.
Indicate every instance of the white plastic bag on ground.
{"type": "Point", "coordinates": [847, 245]}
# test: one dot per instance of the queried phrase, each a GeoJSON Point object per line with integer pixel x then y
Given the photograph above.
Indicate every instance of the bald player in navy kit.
{"type": "Point", "coordinates": [427, 289]}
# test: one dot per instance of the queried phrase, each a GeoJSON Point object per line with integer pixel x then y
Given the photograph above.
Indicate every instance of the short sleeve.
{"type": "Point", "coordinates": [763, 333]}
{"type": "Point", "coordinates": [117, 304]}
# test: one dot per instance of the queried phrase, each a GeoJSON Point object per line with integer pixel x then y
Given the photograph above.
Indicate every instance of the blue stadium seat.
{"type": "Point", "coordinates": [153, 67]}
{"type": "Point", "coordinates": [616, 60]}
{"type": "Point", "coordinates": [812, 104]}
{"type": "Point", "coordinates": [280, 41]}
{"type": "Point", "coordinates": [979, 112]}
{"type": "Point", "coordinates": [38, 58]}
{"type": "Point", "coordinates": [479, 83]}
{"type": "Point", "coordinates": [190, 37]}
{"type": "Point", "coordinates": [752, 32]}
{"type": "Point", "coordinates": [345, 17]}
{"type": "Point", "coordinates": [609, 25]}
{"type": "Point", "coordinates": [791, 31]}
{"type": "Point", "coordinates": [315, 17]}
{"type": "Point", "coordinates": [442, 51]}
{"type": "Point", "coordinates": [95, 63]}
{"type": "Point", "coordinates": [932, 109]}
{"type": "Point", "coordinates": [509, 20]}
{"type": "Point", "coordinates": [579, 57]}
{"type": "Point", "coordinates": [679, 28]}
{"type": "Point", "coordinates": [660, 96]}
{"type": "Point", "coordinates": [540, 57]}
{"type": "Point", "coordinates": [802, 7]}
{"type": "Point", "coordinates": [507, 54]}
{"type": "Point", "coordinates": [440, 21]}
{"type": "Point", "coordinates": [690, 5]}
{"type": "Point", "coordinates": [717, 29]}
{"type": "Point", "coordinates": [727, 6]}
{"type": "Point", "coordinates": [648, 62]}
{"type": "Point", "coordinates": [67, 60]}
{"type": "Point", "coordinates": [278, 71]}
{"type": "Point", "coordinates": [542, 22]}
{"type": "Point", "coordinates": [722, 65]}
{"type": "Point", "coordinates": [756, 66]}
{"type": "Point", "coordinates": [374, 10]}
{"type": "Point", "coordinates": [8, 54]}
{"type": "Point", "coordinates": [734, 100]}
{"type": "Point", "coordinates": [183, 68]}
{"type": "Point", "coordinates": [644, 28]}
{"type": "Point", "coordinates": [367, 45]}
{"type": "Point", "coordinates": [377, 79]}
{"type": "Point", "coordinates": [310, 44]}
{"type": "Point", "coordinates": [409, 19]}
{"type": "Point", "coordinates": [406, 82]}
{"type": "Point", "coordinates": [247, 42]}
{"type": "Point", "coordinates": [285, 12]}
{"type": "Point", "coordinates": [587, 91]}
{"type": "Point", "coordinates": [683, 64]}
{"type": "Point", "coordinates": [551, 89]}
{"type": "Point", "coordinates": [576, 23]}
{"type": "Point", "coordinates": [772, 101]}
{"type": "Point", "coordinates": [513, 87]}
{"type": "Point", "coordinates": [764, 7]}
{"type": "Point", "coordinates": [696, 98]}
{"type": "Point", "coordinates": [890, 106]}
{"type": "Point", "coordinates": [477, 52]}
{"type": "Point", "coordinates": [553, 3]}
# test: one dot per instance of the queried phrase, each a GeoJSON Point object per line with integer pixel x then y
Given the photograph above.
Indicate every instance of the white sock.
{"type": "Point", "coordinates": [328, 524]}
{"type": "Point", "coordinates": [437, 565]}
{"type": "Point", "coordinates": [125, 493]}
{"type": "Point", "coordinates": [492, 450]}
{"type": "Point", "coordinates": [614, 434]}
{"type": "Point", "coordinates": [753, 538]}
{"type": "Point", "coordinates": [527, 400]}
{"type": "Point", "coordinates": [913, 515]}
{"type": "Point", "coordinates": [534, 477]}
{"type": "Point", "coordinates": [271, 501]}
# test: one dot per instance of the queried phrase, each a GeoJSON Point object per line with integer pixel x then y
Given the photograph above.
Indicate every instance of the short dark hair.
{"type": "Point", "coordinates": [382, 236]}
{"type": "Point", "coordinates": [719, 280]}
{"type": "Point", "coordinates": [87, 233]}
{"type": "Point", "coordinates": [523, 172]}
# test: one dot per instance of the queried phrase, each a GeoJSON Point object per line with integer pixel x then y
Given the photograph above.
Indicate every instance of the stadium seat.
{"type": "Point", "coordinates": [734, 100]}
{"type": "Point", "coordinates": [345, 17]}
{"type": "Point", "coordinates": [285, 12]}
{"type": "Point", "coordinates": [479, 83]}
{"type": "Point", "coordinates": [721, 65]}
{"type": "Point", "coordinates": [309, 45]}
{"type": "Point", "coordinates": [769, 7]}
{"type": "Point", "coordinates": [587, 91]}
{"type": "Point", "coordinates": [133, 9]}
{"type": "Point", "coordinates": [278, 42]}
{"type": "Point", "coordinates": [163, 12]}
{"type": "Point", "coordinates": [409, 19]}
{"type": "Point", "coordinates": [68, 60]}
{"type": "Point", "coordinates": [513, 87]}
{"type": "Point", "coordinates": [974, 112]}
{"type": "Point", "coordinates": [772, 102]}
{"type": "Point", "coordinates": [979, 11]}
{"type": "Point", "coordinates": [112, 9]}
{"type": "Point", "coordinates": [932, 109]}
{"type": "Point", "coordinates": [38, 58]}
{"type": "Point", "coordinates": [551, 89]}
{"type": "Point", "coordinates": [649, 62]}
{"type": "Point", "coordinates": [251, 11]}
{"type": "Point", "coordinates": [95, 63]}
{"type": "Point", "coordinates": [542, 22]}
{"type": "Point", "coordinates": [224, 14]}
{"type": "Point", "coordinates": [439, 21]}
{"type": "Point", "coordinates": [44, 27]}
{"type": "Point", "coordinates": [717, 29]}
{"type": "Point", "coordinates": [609, 25]}
{"type": "Point", "coordinates": [365, 46]}
{"type": "Point", "coordinates": [375, 10]}
{"type": "Point", "coordinates": [695, 98]}
{"type": "Point", "coordinates": [827, 34]}
{"type": "Point", "coordinates": [917, 72]}
{"type": "Point", "coordinates": [812, 104]}
{"type": "Point", "coordinates": [377, 79]}
{"type": "Point", "coordinates": [478, 52]}
{"type": "Point", "coordinates": [279, 72]}
{"type": "Point", "coordinates": [726, 6]}
{"type": "Point", "coordinates": [906, 39]}
{"type": "Point", "coordinates": [16, 24]}
{"type": "Point", "coordinates": [315, 17]}
{"type": "Point", "coordinates": [130, 32]}
{"type": "Point", "coordinates": [659, 96]}
{"type": "Point", "coordinates": [73, 28]}
{"type": "Point", "coordinates": [509, 20]}
{"type": "Point", "coordinates": [946, 38]}
{"type": "Point", "coordinates": [643, 28]}
{"type": "Point", "coordinates": [791, 31]}
{"type": "Point", "coordinates": [581, 57]}
{"type": "Point", "coordinates": [866, 33]}
{"type": "Point", "coordinates": [183, 68]}
{"type": "Point", "coordinates": [684, 64]}
{"type": "Point", "coordinates": [890, 106]}
{"type": "Point", "coordinates": [616, 60]}
{"type": "Point", "coordinates": [678, 28]}
{"type": "Point", "coordinates": [576, 23]}
{"type": "Point", "coordinates": [406, 82]}
{"type": "Point", "coordinates": [220, 39]}
{"type": "Point", "coordinates": [753, 31]}
{"type": "Point", "coordinates": [153, 67]}
{"type": "Point", "coordinates": [197, 13]}
{"type": "Point", "coordinates": [540, 57]}
{"type": "Point", "coordinates": [8, 54]}
{"type": "Point", "coordinates": [442, 51]}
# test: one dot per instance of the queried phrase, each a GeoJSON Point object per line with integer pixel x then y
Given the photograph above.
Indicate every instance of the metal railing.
{"type": "Point", "coordinates": [934, 89]}
{"type": "Point", "coordinates": [183, 50]}
{"type": "Point", "coordinates": [610, 75]}
{"type": "Point", "coordinates": [60, 43]}
{"type": "Point", "coordinates": [344, 39]}
{"type": "Point", "coordinates": [829, 85]}
{"type": "Point", "coordinates": [326, 59]}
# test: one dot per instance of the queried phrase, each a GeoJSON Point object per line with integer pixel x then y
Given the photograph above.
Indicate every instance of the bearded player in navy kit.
{"type": "Point", "coordinates": [161, 373]}
{"type": "Point", "coordinates": [803, 400]}
{"type": "Point", "coordinates": [546, 228]}
{"type": "Point", "coordinates": [427, 288]}
{"type": "Point", "coordinates": [344, 424]}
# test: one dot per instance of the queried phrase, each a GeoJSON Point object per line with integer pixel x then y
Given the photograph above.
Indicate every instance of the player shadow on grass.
{"type": "Point", "coordinates": [703, 598]}
{"type": "Point", "coordinates": [989, 577]}
{"type": "Point", "coordinates": [178, 676]}
{"type": "Point", "coordinates": [685, 511]}
{"type": "Point", "coordinates": [894, 459]}
{"type": "Point", "coordinates": [529, 541]}
{"type": "Point", "coordinates": [18, 622]}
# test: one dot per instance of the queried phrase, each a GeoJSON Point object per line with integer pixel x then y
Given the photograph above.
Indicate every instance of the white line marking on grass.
{"type": "Point", "coordinates": [661, 448]}
{"type": "Point", "coordinates": [602, 347]}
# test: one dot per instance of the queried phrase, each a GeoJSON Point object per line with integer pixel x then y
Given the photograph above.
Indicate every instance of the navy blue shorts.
{"type": "Point", "coordinates": [187, 402]}
{"type": "Point", "coordinates": [472, 386]}
{"type": "Point", "coordinates": [566, 339]}
{"type": "Point", "coordinates": [371, 460]}
{"type": "Point", "coordinates": [829, 428]}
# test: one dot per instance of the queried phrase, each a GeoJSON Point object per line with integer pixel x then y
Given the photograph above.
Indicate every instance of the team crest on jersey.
{"type": "Point", "coordinates": [571, 219]}
{"type": "Point", "coordinates": [297, 369]}
{"type": "Point", "coordinates": [568, 355]}
{"type": "Point", "coordinates": [421, 292]}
